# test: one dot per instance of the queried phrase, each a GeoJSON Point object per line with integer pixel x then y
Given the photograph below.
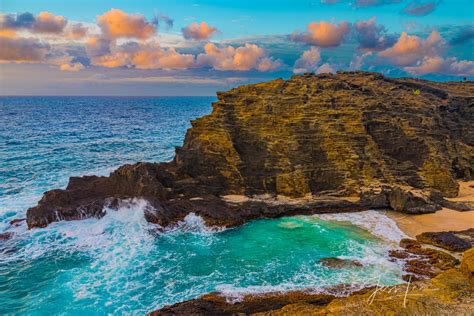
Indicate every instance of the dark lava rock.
{"type": "Point", "coordinates": [445, 240]}
{"type": "Point", "coordinates": [398, 254]}
{"type": "Point", "coordinates": [215, 304]}
{"type": "Point", "coordinates": [422, 261]}
{"type": "Point", "coordinates": [352, 141]}
{"type": "Point", "coordinates": [17, 221]}
{"type": "Point", "coordinates": [6, 235]}
{"type": "Point", "coordinates": [336, 263]}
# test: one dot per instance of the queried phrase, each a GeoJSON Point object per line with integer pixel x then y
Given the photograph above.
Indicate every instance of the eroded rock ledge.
{"type": "Point", "coordinates": [341, 142]}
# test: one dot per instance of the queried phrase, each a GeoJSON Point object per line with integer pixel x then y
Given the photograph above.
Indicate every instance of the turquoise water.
{"type": "Point", "coordinates": [120, 263]}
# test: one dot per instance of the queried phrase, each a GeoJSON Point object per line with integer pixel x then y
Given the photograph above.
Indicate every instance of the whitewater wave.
{"type": "Point", "coordinates": [193, 223]}
{"type": "Point", "coordinates": [376, 222]}
{"type": "Point", "coordinates": [120, 263]}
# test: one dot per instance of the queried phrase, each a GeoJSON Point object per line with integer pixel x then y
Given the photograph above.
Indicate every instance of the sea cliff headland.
{"type": "Point", "coordinates": [310, 144]}
{"type": "Point", "coordinates": [313, 144]}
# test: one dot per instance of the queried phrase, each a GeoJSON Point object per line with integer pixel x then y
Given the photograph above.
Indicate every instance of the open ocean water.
{"type": "Point", "coordinates": [119, 264]}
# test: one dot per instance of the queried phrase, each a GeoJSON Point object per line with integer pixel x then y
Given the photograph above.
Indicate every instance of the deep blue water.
{"type": "Point", "coordinates": [45, 140]}
{"type": "Point", "coordinates": [119, 264]}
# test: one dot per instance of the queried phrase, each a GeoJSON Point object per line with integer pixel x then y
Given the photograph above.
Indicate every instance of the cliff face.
{"type": "Point", "coordinates": [337, 133]}
{"type": "Point", "coordinates": [346, 141]}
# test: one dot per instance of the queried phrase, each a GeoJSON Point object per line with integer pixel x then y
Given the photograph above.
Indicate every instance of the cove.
{"type": "Point", "coordinates": [122, 264]}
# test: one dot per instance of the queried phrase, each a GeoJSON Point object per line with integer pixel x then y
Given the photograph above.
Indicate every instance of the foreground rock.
{"type": "Point", "coordinates": [449, 293]}
{"type": "Point", "coordinates": [421, 261]}
{"type": "Point", "coordinates": [336, 142]}
{"type": "Point", "coordinates": [448, 240]}
{"type": "Point", "coordinates": [215, 304]}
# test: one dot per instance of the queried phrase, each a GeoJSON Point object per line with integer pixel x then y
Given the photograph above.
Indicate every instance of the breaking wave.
{"type": "Point", "coordinates": [122, 264]}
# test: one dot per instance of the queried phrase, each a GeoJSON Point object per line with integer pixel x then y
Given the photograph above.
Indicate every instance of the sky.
{"type": "Point", "coordinates": [198, 47]}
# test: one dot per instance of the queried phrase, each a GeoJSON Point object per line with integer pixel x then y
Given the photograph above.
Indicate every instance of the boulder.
{"type": "Point", "coordinates": [337, 263]}
{"type": "Point", "coordinates": [446, 240]}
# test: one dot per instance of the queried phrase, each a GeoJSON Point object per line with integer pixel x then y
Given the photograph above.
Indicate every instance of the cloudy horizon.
{"type": "Point", "coordinates": [200, 47]}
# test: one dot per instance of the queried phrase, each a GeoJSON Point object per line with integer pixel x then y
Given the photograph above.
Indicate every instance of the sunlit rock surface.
{"type": "Point", "coordinates": [333, 142]}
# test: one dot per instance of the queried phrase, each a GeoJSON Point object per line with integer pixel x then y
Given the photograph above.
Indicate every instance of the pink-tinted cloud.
{"type": "Point", "coordinates": [439, 65]}
{"type": "Point", "coordinates": [154, 57]}
{"type": "Point", "coordinates": [45, 22]}
{"type": "Point", "coordinates": [410, 48]}
{"type": "Point", "coordinates": [372, 36]}
{"type": "Point", "coordinates": [49, 23]}
{"type": "Point", "coordinates": [369, 3]}
{"type": "Point", "coordinates": [118, 24]}
{"type": "Point", "coordinates": [196, 31]}
{"type": "Point", "coordinates": [268, 64]}
{"type": "Point", "coordinates": [247, 57]}
{"type": "Point", "coordinates": [77, 31]}
{"type": "Point", "coordinates": [358, 60]}
{"type": "Point", "coordinates": [140, 56]}
{"type": "Point", "coordinates": [22, 50]}
{"type": "Point", "coordinates": [308, 62]}
{"type": "Point", "coordinates": [325, 69]}
{"type": "Point", "coordinates": [323, 34]}
{"type": "Point", "coordinates": [97, 46]}
{"type": "Point", "coordinates": [74, 67]}
{"type": "Point", "coordinates": [14, 48]}
{"type": "Point", "coordinates": [420, 8]}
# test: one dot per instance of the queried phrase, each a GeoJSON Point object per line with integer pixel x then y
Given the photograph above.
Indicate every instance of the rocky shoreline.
{"type": "Point", "coordinates": [311, 144]}
{"type": "Point", "coordinates": [327, 143]}
{"type": "Point", "coordinates": [437, 283]}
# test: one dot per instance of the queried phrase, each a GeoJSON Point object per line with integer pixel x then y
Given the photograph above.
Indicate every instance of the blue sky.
{"type": "Point", "coordinates": [85, 47]}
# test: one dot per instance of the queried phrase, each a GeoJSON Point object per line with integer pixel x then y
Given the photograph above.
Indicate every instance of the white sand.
{"type": "Point", "coordinates": [443, 220]}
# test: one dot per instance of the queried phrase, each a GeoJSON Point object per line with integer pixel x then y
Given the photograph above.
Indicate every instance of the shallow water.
{"type": "Point", "coordinates": [120, 263]}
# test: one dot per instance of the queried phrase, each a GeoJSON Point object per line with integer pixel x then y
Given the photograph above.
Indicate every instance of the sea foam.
{"type": "Point", "coordinates": [376, 222]}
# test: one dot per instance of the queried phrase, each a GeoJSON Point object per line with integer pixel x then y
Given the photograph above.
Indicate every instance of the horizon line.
{"type": "Point", "coordinates": [104, 96]}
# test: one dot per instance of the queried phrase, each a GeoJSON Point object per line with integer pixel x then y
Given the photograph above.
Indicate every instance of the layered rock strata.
{"type": "Point", "coordinates": [340, 142]}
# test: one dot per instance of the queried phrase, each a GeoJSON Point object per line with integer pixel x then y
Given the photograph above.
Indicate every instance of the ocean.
{"type": "Point", "coordinates": [120, 264]}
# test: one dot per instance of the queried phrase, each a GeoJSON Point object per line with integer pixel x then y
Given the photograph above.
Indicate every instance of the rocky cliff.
{"type": "Point", "coordinates": [329, 142]}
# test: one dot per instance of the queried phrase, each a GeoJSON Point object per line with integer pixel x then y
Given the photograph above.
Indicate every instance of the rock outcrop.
{"type": "Point", "coordinates": [333, 142]}
{"type": "Point", "coordinates": [449, 293]}
{"type": "Point", "coordinates": [449, 240]}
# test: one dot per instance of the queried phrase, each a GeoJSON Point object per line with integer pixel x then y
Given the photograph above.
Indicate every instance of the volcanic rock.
{"type": "Point", "coordinates": [349, 141]}
{"type": "Point", "coordinates": [216, 304]}
{"type": "Point", "coordinates": [336, 263]}
{"type": "Point", "coordinates": [446, 240]}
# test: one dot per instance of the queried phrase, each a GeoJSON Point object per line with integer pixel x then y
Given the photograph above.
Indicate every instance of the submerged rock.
{"type": "Point", "coordinates": [349, 141]}
{"type": "Point", "coordinates": [336, 263]}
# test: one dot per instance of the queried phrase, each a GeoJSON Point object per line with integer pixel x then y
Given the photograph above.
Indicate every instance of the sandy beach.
{"type": "Point", "coordinates": [443, 220]}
